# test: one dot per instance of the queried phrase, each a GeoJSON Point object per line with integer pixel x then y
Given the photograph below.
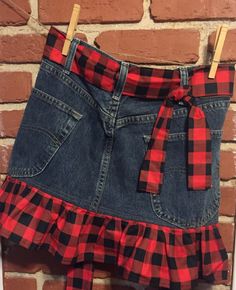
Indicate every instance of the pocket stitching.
{"type": "Point", "coordinates": [158, 209]}
{"type": "Point", "coordinates": [54, 143]}
{"type": "Point", "coordinates": [17, 171]}
{"type": "Point", "coordinates": [44, 131]}
{"type": "Point", "coordinates": [162, 212]}
{"type": "Point", "coordinates": [56, 102]}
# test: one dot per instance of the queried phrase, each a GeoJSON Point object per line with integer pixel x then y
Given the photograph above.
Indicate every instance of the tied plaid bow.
{"type": "Point", "coordinates": [199, 146]}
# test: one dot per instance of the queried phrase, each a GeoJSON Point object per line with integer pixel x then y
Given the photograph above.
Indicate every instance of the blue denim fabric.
{"type": "Point", "coordinates": [86, 145]}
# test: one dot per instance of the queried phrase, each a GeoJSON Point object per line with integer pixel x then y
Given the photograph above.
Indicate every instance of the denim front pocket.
{"type": "Point", "coordinates": [46, 123]}
{"type": "Point", "coordinates": [175, 203]}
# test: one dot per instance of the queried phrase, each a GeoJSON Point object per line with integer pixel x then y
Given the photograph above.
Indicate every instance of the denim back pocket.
{"type": "Point", "coordinates": [175, 203]}
{"type": "Point", "coordinates": [46, 124]}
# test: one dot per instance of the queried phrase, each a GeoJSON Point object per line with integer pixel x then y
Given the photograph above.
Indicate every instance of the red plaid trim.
{"type": "Point", "coordinates": [148, 254]}
{"type": "Point", "coordinates": [102, 70]}
{"type": "Point", "coordinates": [199, 146]}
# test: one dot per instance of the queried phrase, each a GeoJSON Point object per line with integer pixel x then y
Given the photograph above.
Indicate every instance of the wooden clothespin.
{"type": "Point", "coordinates": [71, 28]}
{"type": "Point", "coordinates": [218, 46]}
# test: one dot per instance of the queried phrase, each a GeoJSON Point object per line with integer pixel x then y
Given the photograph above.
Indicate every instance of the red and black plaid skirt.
{"type": "Point", "coordinates": [119, 164]}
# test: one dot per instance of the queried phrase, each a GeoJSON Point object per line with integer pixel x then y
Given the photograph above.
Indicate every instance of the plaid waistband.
{"type": "Point", "coordinates": [103, 70]}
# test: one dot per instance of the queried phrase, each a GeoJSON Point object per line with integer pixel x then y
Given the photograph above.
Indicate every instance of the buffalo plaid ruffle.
{"type": "Point", "coordinates": [102, 70]}
{"type": "Point", "coordinates": [144, 253]}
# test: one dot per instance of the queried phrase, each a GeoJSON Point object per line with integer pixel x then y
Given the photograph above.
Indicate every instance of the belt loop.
{"type": "Point", "coordinates": [124, 67]}
{"type": "Point", "coordinates": [184, 76]}
{"type": "Point", "coordinates": [71, 54]}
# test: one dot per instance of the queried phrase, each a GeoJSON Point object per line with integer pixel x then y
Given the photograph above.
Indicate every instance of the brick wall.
{"type": "Point", "coordinates": [142, 31]}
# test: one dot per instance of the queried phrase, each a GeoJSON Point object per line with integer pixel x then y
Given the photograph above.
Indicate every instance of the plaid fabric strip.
{"type": "Point", "coordinates": [175, 258]}
{"type": "Point", "coordinates": [102, 70]}
{"type": "Point", "coordinates": [152, 169]}
{"type": "Point", "coordinates": [80, 276]}
{"type": "Point", "coordinates": [199, 146]}
{"type": "Point", "coordinates": [199, 149]}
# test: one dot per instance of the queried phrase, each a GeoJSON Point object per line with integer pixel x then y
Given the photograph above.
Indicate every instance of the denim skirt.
{"type": "Point", "coordinates": [118, 163]}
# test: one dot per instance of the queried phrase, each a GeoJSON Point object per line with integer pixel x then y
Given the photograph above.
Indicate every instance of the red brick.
{"type": "Point", "coordinates": [61, 285]}
{"type": "Point", "coordinates": [10, 121]}
{"type": "Point", "coordinates": [19, 283]}
{"type": "Point", "coordinates": [227, 165]}
{"type": "Point", "coordinates": [229, 282]}
{"type": "Point", "coordinates": [10, 14]}
{"type": "Point", "coordinates": [229, 128]}
{"type": "Point", "coordinates": [228, 201]}
{"type": "Point", "coordinates": [228, 52]}
{"type": "Point", "coordinates": [227, 234]}
{"type": "Point", "coordinates": [15, 86]}
{"type": "Point", "coordinates": [5, 152]}
{"type": "Point", "coordinates": [22, 48]}
{"type": "Point", "coordinates": [162, 46]}
{"type": "Point", "coordinates": [52, 266]}
{"type": "Point", "coordinates": [19, 259]}
{"type": "Point", "coordinates": [54, 285]}
{"type": "Point", "coordinates": [172, 10]}
{"type": "Point", "coordinates": [96, 11]}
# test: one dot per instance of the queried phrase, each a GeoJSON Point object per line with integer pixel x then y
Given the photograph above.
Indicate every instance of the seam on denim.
{"type": "Point", "coordinates": [49, 190]}
{"type": "Point", "coordinates": [67, 80]}
{"type": "Point", "coordinates": [148, 118]}
{"type": "Point", "coordinates": [183, 135]}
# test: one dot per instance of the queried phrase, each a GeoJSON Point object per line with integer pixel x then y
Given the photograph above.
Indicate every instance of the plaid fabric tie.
{"type": "Point", "coordinates": [80, 276]}
{"type": "Point", "coordinates": [199, 146]}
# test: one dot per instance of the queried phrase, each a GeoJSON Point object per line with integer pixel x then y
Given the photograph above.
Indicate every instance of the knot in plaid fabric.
{"type": "Point", "coordinates": [199, 155]}
{"type": "Point", "coordinates": [180, 94]}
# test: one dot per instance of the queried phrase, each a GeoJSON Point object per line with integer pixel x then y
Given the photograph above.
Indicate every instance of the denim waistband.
{"type": "Point", "coordinates": [103, 70]}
